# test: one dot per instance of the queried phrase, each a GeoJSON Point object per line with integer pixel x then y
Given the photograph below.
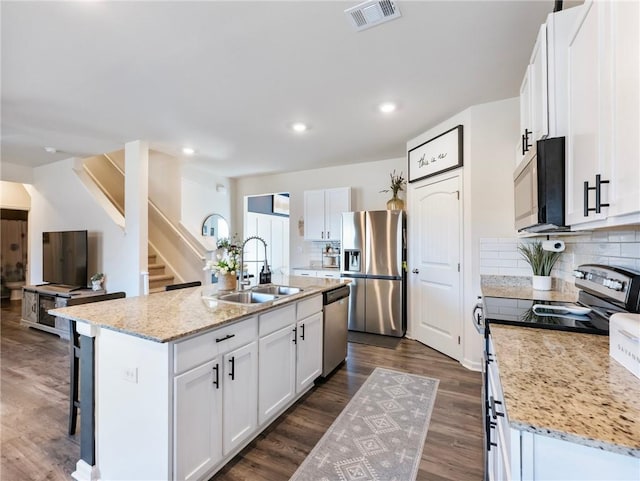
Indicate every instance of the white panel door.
{"type": "Point", "coordinates": [309, 353]}
{"type": "Point", "coordinates": [277, 377]}
{"type": "Point", "coordinates": [197, 421]}
{"type": "Point", "coordinates": [434, 265]}
{"type": "Point", "coordinates": [240, 396]}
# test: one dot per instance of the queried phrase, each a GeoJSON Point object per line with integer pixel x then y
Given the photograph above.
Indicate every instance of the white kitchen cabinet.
{"type": "Point", "coordinates": [277, 378]}
{"type": "Point", "coordinates": [543, 92]}
{"type": "Point", "coordinates": [323, 212]}
{"type": "Point", "coordinates": [196, 422]}
{"type": "Point", "coordinates": [604, 111]}
{"type": "Point", "coordinates": [539, 112]}
{"type": "Point", "coordinates": [239, 396]}
{"type": "Point", "coordinates": [309, 351]}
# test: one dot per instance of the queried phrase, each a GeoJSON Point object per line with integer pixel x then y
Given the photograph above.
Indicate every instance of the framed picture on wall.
{"type": "Point", "coordinates": [437, 155]}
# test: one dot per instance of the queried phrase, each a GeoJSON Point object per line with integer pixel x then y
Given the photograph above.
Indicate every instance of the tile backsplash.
{"type": "Point", "coordinates": [620, 247]}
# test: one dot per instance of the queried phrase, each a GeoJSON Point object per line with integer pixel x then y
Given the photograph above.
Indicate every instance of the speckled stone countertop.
{"type": "Point", "coordinates": [168, 316]}
{"type": "Point", "coordinates": [565, 385]}
{"type": "Point", "coordinates": [514, 287]}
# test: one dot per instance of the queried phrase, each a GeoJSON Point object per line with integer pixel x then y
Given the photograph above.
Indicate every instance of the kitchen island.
{"type": "Point", "coordinates": [183, 382]}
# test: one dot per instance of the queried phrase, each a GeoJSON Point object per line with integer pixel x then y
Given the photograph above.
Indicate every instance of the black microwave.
{"type": "Point", "coordinates": [539, 188]}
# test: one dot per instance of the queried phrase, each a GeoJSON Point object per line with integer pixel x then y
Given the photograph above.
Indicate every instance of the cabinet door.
{"type": "Point", "coordinates": [314, 215]}
{"type": "Point", "coordinates": [539, 87]}
{"type": "Point", "coordinates": [586, 124]}
{"type": "Point", "coordinates": [277, 376]}
{"type": "Point", "coordinates": [624, 26]}
{"type": "Point", "coordinates": [336, 201]}
{"type": "Point", "coordinates": [30, 306]}
{"type": "Point", "coordinates": [197, 421]}
{"type": "Point", "coordinates": [309, 352]}
{"type": "Point", "coordinates": [240, 396]}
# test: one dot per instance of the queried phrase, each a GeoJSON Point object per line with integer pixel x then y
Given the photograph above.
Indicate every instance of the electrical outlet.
{"type": "Point", "coordinates": [130, 374]}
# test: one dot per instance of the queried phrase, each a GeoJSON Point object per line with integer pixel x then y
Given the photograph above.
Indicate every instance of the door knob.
{"type": "Point", "coordinates": [415, 271]}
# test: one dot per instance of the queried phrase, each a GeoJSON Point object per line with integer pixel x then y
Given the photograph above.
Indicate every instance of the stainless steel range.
{"type": "Point", "coordinates": [604, 290]}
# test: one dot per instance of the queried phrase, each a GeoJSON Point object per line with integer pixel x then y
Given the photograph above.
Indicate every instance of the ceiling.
{"type": "Point", "coordinates": [229, 78]}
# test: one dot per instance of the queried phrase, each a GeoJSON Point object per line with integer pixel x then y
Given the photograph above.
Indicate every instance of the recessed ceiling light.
{"type": "Point", "coordinates": [387, 107]}
{"type": "Point", "coordinates": [51, 150]}
{"type": "Point", "coordinates": [299, 127]}
{"type": "Point", "coordinates": [188, 151]}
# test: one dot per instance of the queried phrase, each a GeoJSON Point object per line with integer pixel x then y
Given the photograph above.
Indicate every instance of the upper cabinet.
{"type": "Point", "coordinates": [603, 141]}
{"type": "Point", "coordinates": [543, 92]}
{"type": "Point", "coordinates": [323, 212]}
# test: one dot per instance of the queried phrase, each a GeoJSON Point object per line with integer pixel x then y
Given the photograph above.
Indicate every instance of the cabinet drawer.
{"type": "Point", "coordinates": [309, 306]}
{"type": "Point", "coordinates": [197, 350]}
{"type": "Point", "coordinates": [274, 320]}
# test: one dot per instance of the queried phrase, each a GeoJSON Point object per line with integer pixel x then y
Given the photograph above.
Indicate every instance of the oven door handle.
{"type": "Point", "coordinates": [478, 316]}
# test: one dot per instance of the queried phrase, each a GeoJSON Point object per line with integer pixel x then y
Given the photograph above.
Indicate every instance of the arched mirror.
{"type": "Point", "coordinates": [215, 226]}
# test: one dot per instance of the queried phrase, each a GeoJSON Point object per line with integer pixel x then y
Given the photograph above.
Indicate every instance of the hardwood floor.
{"type": "Point", "coordinates": [34, 394]}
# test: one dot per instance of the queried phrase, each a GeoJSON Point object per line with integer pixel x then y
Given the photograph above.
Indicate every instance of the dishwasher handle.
{"type": "Point", "coordinates": [335, 295]}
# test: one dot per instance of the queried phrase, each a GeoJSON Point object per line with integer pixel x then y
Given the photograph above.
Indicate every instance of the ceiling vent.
{"type": "Point", "coordinates": [371, 13]}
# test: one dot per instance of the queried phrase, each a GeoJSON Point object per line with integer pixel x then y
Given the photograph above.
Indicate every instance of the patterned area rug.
{"type": "Point", "coordinates": [379, 435]}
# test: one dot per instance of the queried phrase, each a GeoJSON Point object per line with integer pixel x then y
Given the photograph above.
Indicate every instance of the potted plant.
{"type": "Point", "coordinates": [397, 185]}
{"type": "Point", "coordinates": [226, 264]}
{"type": "Point", "coordinates": [541, 262]}
{"type": "Point", "coordinates": [96, 281]}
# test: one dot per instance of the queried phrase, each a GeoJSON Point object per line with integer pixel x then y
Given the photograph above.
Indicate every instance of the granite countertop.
{"type": "Point", "coordinates": [515, 287]}
{"type": "Point", "coordinates": [168, 316]}
{"type": "Point", "coordinates": [565, 385]}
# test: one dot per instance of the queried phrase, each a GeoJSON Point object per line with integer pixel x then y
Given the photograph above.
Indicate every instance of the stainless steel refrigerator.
{"type": "Point", "coordinates": [373, 258]}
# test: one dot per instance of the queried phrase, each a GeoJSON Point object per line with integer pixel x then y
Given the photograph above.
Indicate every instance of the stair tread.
{"type": "Point", "coordinates": [155, 266]}
{"type": "Point", "coordinates": [160, 277]}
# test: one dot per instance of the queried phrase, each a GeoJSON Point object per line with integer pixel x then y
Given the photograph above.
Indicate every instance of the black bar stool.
{"type": "Point", "coordinates": [173, 287]}
{"type": "Point", "coordinates": [74, 356]}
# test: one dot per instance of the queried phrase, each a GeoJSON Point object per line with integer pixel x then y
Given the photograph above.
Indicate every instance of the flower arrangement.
{"type": "Point", "coordinates": [540, 260]}
{"type": "Point", "coordinates": [226, 261]}
{"type": "Point", "coordinates": [397, 183]}
{"type": "Point", "coordinates": [97, 277]}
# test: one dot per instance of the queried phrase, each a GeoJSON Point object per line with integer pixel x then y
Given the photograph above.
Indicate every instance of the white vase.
{"type": "Point", "coordinates": [96, 285]}
{"type": "Point", "coordinates": [541, 283]}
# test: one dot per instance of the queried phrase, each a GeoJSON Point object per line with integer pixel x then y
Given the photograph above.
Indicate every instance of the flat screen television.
{"type": "Point", "coordinates": [64, 258]}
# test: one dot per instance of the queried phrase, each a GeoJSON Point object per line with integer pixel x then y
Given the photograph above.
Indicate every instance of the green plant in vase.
{"type": "Point", "coordinates": [398, 182]}
{"type": "Point", "coordinates": [541, 262]}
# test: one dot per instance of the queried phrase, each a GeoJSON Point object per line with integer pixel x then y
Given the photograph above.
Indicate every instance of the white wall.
{"type": "Point", "coordinates": [16, 173]}
{"type": "Point", "coordinates": [490, 135]}
{"type": "Point", "coordinates": [365, 179]}
{"type": "Point", "coordinates": [14, 196]}
{"type": "Point", "coordinates": [59, 201]}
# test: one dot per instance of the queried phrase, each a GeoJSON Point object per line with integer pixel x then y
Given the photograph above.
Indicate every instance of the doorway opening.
{"type": "Point", "coordinates": [13, 252]}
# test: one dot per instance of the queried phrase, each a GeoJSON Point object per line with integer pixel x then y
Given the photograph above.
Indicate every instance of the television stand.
{"type": "Point", "coordinates": [37, 300]}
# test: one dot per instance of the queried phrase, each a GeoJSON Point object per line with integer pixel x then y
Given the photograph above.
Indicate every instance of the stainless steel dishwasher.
{"type": "Point", "coordinates": [336, 317]}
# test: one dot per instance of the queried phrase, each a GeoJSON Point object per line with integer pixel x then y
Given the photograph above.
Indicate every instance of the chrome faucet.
{"type": "Point", "coordinates": [265, 268]}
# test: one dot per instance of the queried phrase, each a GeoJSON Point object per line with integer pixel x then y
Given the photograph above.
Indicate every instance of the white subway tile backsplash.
{"type": "Point", "coordinates": [630, 250]}
{"type": "Point", "coordinates": [499, 256]}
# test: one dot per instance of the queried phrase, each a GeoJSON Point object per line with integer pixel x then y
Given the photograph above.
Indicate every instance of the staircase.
{"type": "Point", "coordinates": [157, 277]}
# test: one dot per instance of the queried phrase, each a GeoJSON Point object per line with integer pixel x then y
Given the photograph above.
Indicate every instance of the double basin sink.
{"type": "Point", "coordinates": [259, 294]}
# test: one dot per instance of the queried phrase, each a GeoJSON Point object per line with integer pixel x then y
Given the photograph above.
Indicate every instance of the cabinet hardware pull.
{"type": "Point", "coordinates": [322, 235]}
{"type": "Point", "coordinates": [217, 378]}
{"type": "Point", "coordinates": [228, 336]}
{"type": "Point", "coordinates": [233, 367]}
{"type": "Point", "coordinates": [490, 358]}
{"type": "Point", "coordinates": [415, 271]}
{"type": "Point", "coordinates": [295, 335]}
{"type": "Point", "coordinates": [302, 336]}
{"type": "Point", "coordinates": [599, 183]}
{"type": "Point", "coordinates": [598, 188]}
{"type": "Point", "coordinates": [494, 413]}
{"type": "Point", "coordinates": [328, 234]}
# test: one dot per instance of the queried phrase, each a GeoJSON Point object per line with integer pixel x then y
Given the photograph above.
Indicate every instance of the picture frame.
{"type": "Point", "coordinates": [437, 155]}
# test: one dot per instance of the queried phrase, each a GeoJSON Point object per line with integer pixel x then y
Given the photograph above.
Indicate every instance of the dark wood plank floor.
{"type": "Point", "coordinates": [34, 390]}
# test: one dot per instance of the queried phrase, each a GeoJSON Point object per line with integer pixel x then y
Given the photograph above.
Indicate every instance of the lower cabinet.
{"type": "Point", "coordinates": [240, 396]}
{"type": "Point", "coordinates": [309, 351]}
{"type": "Point", "coordinates": [196, 421]}
{"type": "Point", "coordinates": [222, 395]}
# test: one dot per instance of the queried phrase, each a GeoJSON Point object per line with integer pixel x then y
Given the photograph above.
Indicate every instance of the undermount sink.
{"type": "Point", "coordinates": [247, 297]}
{"type": "Point", "coordinates": [277, 290]}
